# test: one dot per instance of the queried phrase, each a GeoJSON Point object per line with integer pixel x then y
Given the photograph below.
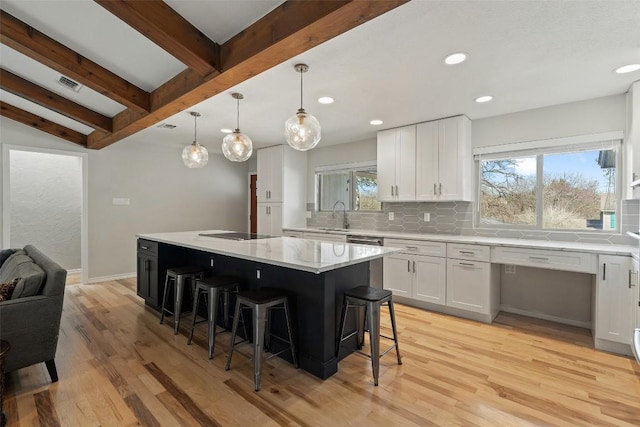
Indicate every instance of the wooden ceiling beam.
{"type": "Point", "coordinates": [287, 31]}
{"type": "Point", "coordinates": [42, 124]}
{"type": "Point", "coordinates": [51, 100]}
{"type": "Point", "coordinates": [34, 44]}
{"type": "Point", "coordinates": [158, 22]}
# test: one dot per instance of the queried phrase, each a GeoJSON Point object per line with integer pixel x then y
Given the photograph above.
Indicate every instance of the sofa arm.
{"type": "Point", "coordinates": [31, 326]}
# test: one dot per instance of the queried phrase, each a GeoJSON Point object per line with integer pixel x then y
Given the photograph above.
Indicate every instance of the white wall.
{"type": "Point", "coordinates": [46, 204]}
{"type": "Point", "coordinates": [164, 194]}
{"type": "Point", "coordinates": [577, 118]}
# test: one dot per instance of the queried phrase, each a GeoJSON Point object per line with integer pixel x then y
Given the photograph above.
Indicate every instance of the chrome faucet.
{"type": "Point", "coordinates": [345, 221]}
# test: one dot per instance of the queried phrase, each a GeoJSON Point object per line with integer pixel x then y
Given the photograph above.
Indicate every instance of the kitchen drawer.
{"type": "Point", "coordinates": [469, 252]}
{"type": "Point", "coordinates": [148, 246]}
{"type": "Point", "coordinates": [326, 237]}
{"type": "Point", "coordinates": [419, 246]}
{"type": "Point", "coordinates": [544, 258]}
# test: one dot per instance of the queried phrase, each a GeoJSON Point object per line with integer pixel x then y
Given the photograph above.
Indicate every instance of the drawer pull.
{"type": "Point", "coordinates": [467, 252]}
{"type": "Point", "coordinates": [467, 264]}
{"type": "Point", "coordinates": [412, 248]}
{"type": "Point", "coordinates": [144, 247]}
{"type": "Point", "coordinates": [539, 258]}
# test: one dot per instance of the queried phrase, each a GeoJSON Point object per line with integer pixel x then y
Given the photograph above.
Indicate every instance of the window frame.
{"type": "Point", "coordinates": [344, 167]}
{"type": "Point", "coordinates": [539, 149]}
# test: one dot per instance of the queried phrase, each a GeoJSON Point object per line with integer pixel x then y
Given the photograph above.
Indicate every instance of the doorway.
{"type": "Point", "coordinates": [253, 202]}
{"type": "Point", "coordinates": [44, 203]}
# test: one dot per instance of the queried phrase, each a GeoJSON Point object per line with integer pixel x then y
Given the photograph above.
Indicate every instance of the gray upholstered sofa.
{"type": "Point", "coordinates": [30, 320]}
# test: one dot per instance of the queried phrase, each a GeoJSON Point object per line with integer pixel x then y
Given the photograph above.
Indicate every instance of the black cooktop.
{"type": "Point", "coordinates": [238, 236]}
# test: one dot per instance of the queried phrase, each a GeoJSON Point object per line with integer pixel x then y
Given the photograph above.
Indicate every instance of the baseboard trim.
{"type": "Point", "coordinates": [101, 279]}
{"type": "Point", "coordinates": [74, 271]}
{"type": "Point", "coordinates": [571, 322]}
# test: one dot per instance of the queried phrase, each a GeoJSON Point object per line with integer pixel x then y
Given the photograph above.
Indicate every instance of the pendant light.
{"type": "Point", "coordinates": [195, 155]}
{"type": "Point", "coordinates": [237, 146]}
{"type": "Point", "coordinates": [302, 130]}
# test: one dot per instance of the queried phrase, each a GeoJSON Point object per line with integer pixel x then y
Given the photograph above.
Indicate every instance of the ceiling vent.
{"type": "Point", "coordinates": [69, 84]}
{"type": "Point", "coordinates": [166, 126]}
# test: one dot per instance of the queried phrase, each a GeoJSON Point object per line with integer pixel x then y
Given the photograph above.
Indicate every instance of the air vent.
{"type": "Point", "coordinates": [69, 84]}
{"type": "Point", "coordinates": [166, 126]}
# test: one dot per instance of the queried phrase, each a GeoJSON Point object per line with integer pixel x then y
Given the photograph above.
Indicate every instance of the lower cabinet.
{"type": "Point", "coordinates": [615, 290]}
{"type": "Point", "coordinates": [416, 276]}
{"type": "Point", "coordinates": [469, 285]}
{"type": "Point", "coordinates": [270, 219]}
{"type": "Point", "coordinates": [147, 272]}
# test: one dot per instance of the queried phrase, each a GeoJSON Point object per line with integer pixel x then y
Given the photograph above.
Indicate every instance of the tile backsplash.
{"type": "Point", "coordinates": [457, 218]}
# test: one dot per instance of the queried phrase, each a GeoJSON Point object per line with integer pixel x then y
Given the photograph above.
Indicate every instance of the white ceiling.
{"type": "Point", "coordinates": [527, 54]}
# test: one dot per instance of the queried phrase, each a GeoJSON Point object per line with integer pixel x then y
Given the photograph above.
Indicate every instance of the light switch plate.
{"type": "Point", "coordinates": [391, 216]}
{"type": "Point", "coordinates": [427, 216]}
{"type": "Point", "coordinates": [120, 201]}
{"type": "Point", "coordinates": [308, 214]}
{"type": "Point", "coordinates": [510, 269]}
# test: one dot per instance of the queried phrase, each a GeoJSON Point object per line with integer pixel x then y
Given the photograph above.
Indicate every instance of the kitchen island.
{"type": "Point", "coordinates": [314, 273]}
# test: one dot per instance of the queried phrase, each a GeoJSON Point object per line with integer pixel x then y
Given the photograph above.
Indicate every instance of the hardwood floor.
{"type": "Point", "coordinates": [118, 366]}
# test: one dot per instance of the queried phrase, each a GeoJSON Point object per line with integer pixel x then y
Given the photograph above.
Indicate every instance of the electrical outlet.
{"type": "Point", "coordinates": [391, 216]}
{"type": "Point", "coordinates": [427, 217]}
{"type": "Point", "coordinates": [510, 269]}
{"type": "Point", "coordinates": [308, 214]}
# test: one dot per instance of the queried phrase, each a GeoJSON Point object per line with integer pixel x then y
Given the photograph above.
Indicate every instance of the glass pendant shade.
{"type": "Point", "coordinates": [195, 155]}
{"type": "Point", "coordinates": [302, 131]}
{"type": "Point", "coordinates": [237, 146]}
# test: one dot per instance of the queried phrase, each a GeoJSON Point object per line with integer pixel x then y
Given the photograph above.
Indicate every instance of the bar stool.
{"type": "Point", "coordinates": [177, 276]}
{"type": "Point", "coordinates": [261, 302]}
{"type": "Point", "coordinates": [213, 287]}
{"type": "Point", "coordinates": [371, 299]}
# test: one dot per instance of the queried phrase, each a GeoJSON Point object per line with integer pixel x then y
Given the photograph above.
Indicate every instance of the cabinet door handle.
{"type": "Point", "coordinates": [633, 278]}
{"type": "Point", "coordinates": [397, 193]}
{"type": "Point", "coordinates": [408, 266]}
{"type": "Point", "coordinates": [144, 247]}
{"type": "Point", "coordinates": [147, 265]}
{"type": "Point", "coordinates": [414, 266]}
{"type": "Point", "coordinates": [435, 189]}
{"type": "Point", "coordinates": [604, 271]}
{"type": "Point", "coordinates": [392, 193]}
{"type": "Point", "coordinates": [440, 192]}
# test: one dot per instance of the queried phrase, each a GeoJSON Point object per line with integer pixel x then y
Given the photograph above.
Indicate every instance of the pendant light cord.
{"type": "Point", "coordinates": [195, 128]}
{"type": "Point", "coordinates": [238, 113]}
{"type": "Point", "coordinates": [301, 89]}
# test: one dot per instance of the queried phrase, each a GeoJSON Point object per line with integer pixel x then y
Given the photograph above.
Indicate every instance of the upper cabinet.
{"type": "Point", "coordinates": [444, 163]}
{"type": "Point", "coordinates": [397, 164]}
{"type": "Point", "coordinates": [270, 174]}
{"type": "Point", "coordinates": [429, 161]}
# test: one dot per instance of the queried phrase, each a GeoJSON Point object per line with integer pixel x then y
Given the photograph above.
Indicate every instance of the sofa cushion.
{"type": "Point", "coordinates": [6, 289]}
{"type": "Point", "coordinates": [31, 275]}
{"type": "Point", "coordinates": [4, 254]}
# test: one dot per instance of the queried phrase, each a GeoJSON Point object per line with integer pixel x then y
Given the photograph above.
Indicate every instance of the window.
{"type": "Point", "coordinates": [575, 188]}
{"type": "Point", "coordinates": [354, 185]}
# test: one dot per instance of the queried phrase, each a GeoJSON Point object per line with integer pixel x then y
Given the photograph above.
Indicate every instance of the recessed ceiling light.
{"type": "Point", "coordinates": [375, 122]}
{"type": "Point", "coordinates": [628, 68]}
{"type": "Point", "coordinates": [225, 130]}
{"type": "Point", "coordinates": [325, 100]}
{"type": "Point", "coordinates": [455, 58]}
{"type": "Point", "coordinates": [485, 98]}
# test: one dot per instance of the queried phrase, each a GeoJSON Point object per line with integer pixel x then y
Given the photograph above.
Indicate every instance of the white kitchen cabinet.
{"type": "Point", "coordinates": [281, 180]}
{"type": "Point", "coordinates": [416, 273]}
{"type": "Point", "coordinates": [614, 291]}
{"type": "Point", "coordinates": [444, 164]}
{"type": "Point", "coordinates": [270, 219]}
{"type": "Point", "coordinates": [469, 285]}
{"type": "Point", "coordinates": [396, 164]}
{"type": "Point", "coordinates": [326, 237]}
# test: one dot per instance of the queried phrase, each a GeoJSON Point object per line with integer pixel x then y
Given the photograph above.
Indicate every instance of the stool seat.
{"type": "Point", "coordinates": [213, 287]}
{"type": "Point", "coordinates": [261, 302]}
{"type": "Point", "coordinates": [367, 293]}
{"type": "Point", "coordinates": [181, 271]}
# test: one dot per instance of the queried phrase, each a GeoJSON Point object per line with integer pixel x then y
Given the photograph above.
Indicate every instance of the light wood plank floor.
{"type": "Point", "coordinates": [119, 366]}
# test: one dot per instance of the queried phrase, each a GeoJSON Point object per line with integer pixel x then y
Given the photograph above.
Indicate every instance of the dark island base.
{"type": "Point", "coordinates": [315, 299]}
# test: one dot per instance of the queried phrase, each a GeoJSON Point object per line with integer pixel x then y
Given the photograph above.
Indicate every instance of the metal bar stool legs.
{"type": "Point", "coordinates": [371, 299]}
{"type": "Point", "coordinates": [261, 302]}
{"type": "Point", "coordinates": [178, 276]}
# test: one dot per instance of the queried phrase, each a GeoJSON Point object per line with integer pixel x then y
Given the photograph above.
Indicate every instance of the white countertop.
{"type": "Point", "coordinates": [598, 248]}
{"type": "Point", "coordinates": [298, 254]}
